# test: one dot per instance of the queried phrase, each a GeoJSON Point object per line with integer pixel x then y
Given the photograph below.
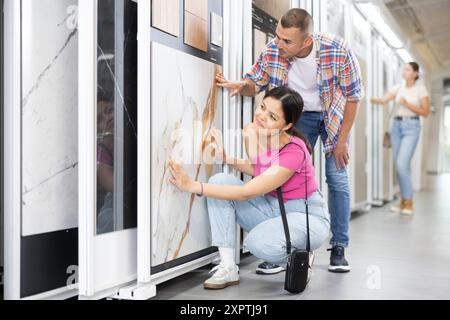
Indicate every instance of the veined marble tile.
{"type": "Point", "coordinates": [49, 116]}
{"type": "Point", "coordinates": [183, 94]}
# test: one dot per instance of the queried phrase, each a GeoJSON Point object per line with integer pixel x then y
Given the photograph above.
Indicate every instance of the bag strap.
{"type": "Point", "coordinates": [283, 209]}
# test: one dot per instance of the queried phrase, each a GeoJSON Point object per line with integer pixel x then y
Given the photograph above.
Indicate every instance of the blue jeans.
{"type": "Point", "coordinates": [405, 136]}
{"type": "Point", "coordinates": [312, 125]}
{"type": "Point", "coordinates": [261, 218]}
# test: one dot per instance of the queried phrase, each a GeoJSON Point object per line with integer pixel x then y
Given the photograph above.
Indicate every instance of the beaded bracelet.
{"type": "Point", "coordinates": [200, 194]}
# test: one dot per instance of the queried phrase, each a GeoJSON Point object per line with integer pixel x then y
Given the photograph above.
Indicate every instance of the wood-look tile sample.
{"type": "Point", "coordinates": [198, 8]}
{"type": "Point", "coordinates": [195, 31]}
{"type": "Point", "coordinates": [165, 16]}
{"type": "Point", "coordinates": [216, 29]}
{"type": "Point", "coordinates": [274, 8]}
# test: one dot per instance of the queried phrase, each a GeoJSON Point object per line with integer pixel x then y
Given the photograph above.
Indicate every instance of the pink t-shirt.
{"type": "Point", "coordinates": [293, 158]}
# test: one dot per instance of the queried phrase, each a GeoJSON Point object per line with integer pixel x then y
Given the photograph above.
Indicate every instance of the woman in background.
{"type": "Point", "coordinates": [412, 102]}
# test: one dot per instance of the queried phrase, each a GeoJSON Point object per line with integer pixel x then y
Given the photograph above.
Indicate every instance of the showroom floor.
{"type": "Point", "coordinates": [392, 256]}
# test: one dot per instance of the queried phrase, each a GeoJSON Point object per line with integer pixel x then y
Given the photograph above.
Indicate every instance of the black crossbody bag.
{"type": "Point", "coordinates": [297, 270]}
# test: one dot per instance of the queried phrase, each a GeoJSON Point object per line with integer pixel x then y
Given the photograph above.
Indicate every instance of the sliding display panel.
{"type": "Point", "coordinates": [49, 117]}
{"type": "Point", "coordinates": [185, 105]}
{"type": "Point", "coordinates": [49, 153]}
{"type": "Point", "coordinates": [361, 173]}
{"type": "Point", "coordinates": [116, 116]}
{"type": "Point", "coordinates": [184, 110]}
{"type": "Point", "coordinates": [1, 148]}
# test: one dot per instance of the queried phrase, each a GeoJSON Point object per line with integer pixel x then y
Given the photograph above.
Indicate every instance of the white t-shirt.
{"type": "Point", "coordinates": [413, 95]}
{"type": "Point", "coordinates": [302, 77]}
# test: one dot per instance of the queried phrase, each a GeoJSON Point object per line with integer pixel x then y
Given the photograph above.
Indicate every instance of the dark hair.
{"type": "Point", "coordinates": [297, 18]}
{"type": "Point", "coordinates": [416, 68]}
{"type": "Point", "coordinates": [292, 104]}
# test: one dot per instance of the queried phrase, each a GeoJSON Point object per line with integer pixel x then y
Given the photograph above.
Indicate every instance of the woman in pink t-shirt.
{"type": "Point", "coordinates": [280, 157]}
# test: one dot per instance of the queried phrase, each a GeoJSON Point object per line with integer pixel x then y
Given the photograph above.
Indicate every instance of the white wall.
{"type": "Point", "coordinates": [436, 122]}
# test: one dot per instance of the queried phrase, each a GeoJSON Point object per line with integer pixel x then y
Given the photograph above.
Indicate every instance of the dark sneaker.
{"type": "Point", "coordinates": [269, 268]}
{"type": "Point", "coordinates": [338, 263]}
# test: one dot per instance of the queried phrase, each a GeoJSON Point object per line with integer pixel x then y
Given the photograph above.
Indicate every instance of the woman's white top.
{"type": "Point", "coordinates": [413, 95]}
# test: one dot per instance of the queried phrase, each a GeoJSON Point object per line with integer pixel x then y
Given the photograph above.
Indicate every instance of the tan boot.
{"type": "Point", "coordinates": [408, 208]}
{"type": "Point", "coordinates": [399, 208]}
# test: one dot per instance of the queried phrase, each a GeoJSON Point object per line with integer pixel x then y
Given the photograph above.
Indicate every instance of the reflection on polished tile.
{"type": "Point", "coordinates": [165, 16]}
{"type": "Point", "coordinates": [116, 116]}
{"type": "Point", "coordinates": [195, 32]}
{"type": "Point", "coordinates": [184, 108]}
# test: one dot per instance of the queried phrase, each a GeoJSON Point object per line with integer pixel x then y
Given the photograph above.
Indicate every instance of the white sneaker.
{"type": "Point", "coordinates": [407, 211]}
{"type": "Point", "coordinates": [222, 278]}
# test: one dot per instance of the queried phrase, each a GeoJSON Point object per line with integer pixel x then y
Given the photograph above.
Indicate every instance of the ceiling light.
{"type": "Point", "coordinates": [373, 14]}
{"type": "Point", "coordinates": [405, 55]}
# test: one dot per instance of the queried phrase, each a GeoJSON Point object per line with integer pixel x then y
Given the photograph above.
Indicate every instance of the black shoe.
{"type": "Point", "coordinates": [269, 268]}
{"type": "Point", "coordinates": [338, 263]}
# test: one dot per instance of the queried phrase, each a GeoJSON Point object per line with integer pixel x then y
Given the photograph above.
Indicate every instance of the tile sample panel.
{"type": "Point", "coordinates": [165, 16]}
{"type": "Point", "coordinates": [49, 116]}
{"type": "Point", "coordinates": [198, 8]}
{"type": "Point", "coordinates": [196, 24]}
{"type": "Point", "coordinates": [186, 103]}
{"type": "Point", "coordinates": [216, 30]}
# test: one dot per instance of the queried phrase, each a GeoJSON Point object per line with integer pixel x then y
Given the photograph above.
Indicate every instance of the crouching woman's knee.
{"type": "Point", "coordinates": [224, 179]}
{"type": "Point", "coordinates": [265, 247]}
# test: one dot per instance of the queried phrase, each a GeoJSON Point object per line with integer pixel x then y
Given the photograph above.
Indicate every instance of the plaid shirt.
{"type": "Point", "coordinates": [338, 78]}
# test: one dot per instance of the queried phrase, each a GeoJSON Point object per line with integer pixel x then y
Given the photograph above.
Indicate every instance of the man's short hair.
{"type": "Point", "coordinates": [297, 18]}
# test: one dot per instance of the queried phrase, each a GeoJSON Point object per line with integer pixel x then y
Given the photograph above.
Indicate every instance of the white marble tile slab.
{"type": "Point", "coordinates": [49, 116]}
{"type": "Point", "coordinates": [181, 85]}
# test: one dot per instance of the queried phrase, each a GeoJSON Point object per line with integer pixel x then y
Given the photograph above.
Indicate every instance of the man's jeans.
{"type": "Point", "coordinates": [312, 126]}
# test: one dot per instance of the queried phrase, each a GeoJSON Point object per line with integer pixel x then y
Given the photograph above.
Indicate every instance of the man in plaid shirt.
{"type": "Point", "coordinates": [322, 68]}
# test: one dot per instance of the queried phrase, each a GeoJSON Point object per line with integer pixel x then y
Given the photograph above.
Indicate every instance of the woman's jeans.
{"type": "Point", "coordinates": [405, 136]}
{"type": "Point", "coordinates": [261, 218]}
